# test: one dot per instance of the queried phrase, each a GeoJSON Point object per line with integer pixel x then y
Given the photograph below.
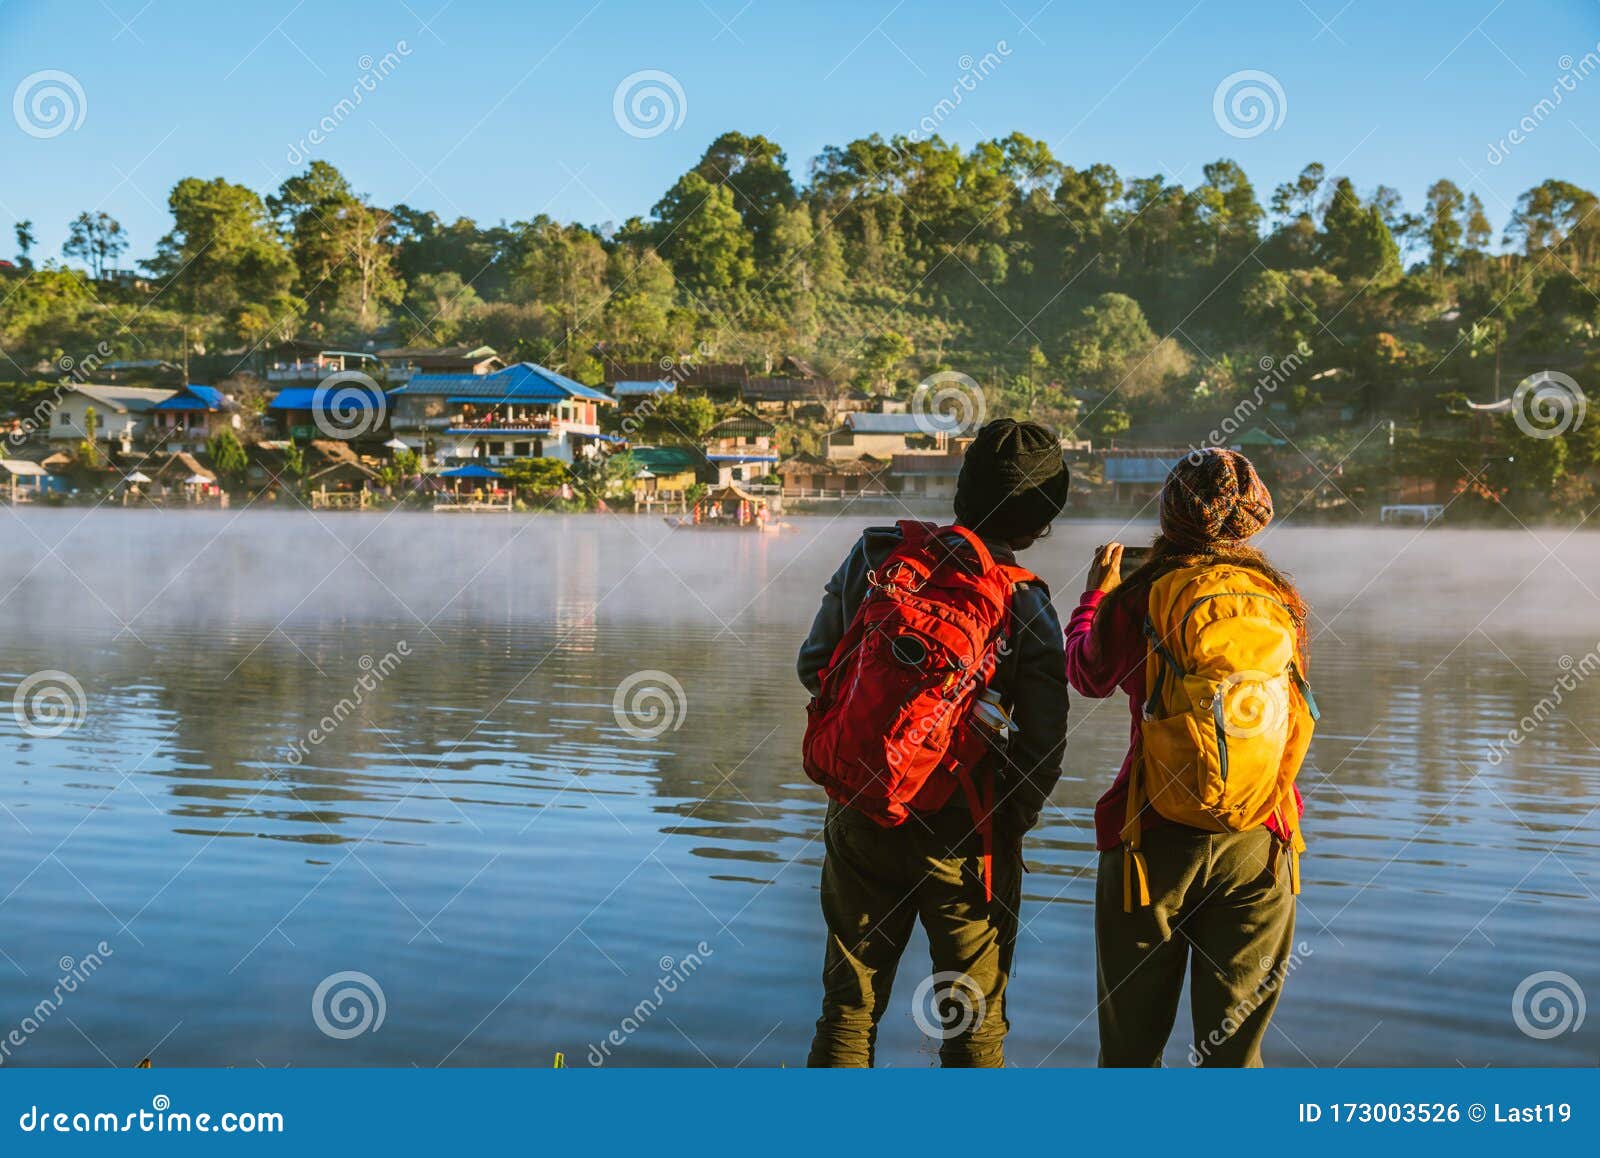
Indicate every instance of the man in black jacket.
{"type": "Point", "coordinates": [877, 882]}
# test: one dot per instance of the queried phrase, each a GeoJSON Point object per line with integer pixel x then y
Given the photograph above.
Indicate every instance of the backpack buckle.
{"type": "Point", "coordinates": [887, 579]}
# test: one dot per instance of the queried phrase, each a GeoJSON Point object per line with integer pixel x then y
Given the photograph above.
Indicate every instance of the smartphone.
{"type": "Point", "coordinates": [1133, 557]}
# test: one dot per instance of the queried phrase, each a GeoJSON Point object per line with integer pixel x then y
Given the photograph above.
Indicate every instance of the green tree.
{"type": "Point", "coordinates": [89, 449]}
{"type": "Point", "coordinates": [536, 476]}
{"type": "Point", "coordinates": [343, 251]}
{"type": "Point", "coordinates": [881, 353]}
{"type": "Point", "coordinates": [1106, 337]}
{"type": "Point", "coordinates": [756, 172]}
{"type": "Point", "coordinates": [563, 267]}
{"type": "Point", "coordinates": [26, 240]}
{"type": "Point", "coordinates": [437, 308]}
{"type": "Point", "coordinates": [294, 462]}
{"type": "Point", "coordinates": [1355, 243]}
{"type": "Point", "coordinates": [222, 263]}
{"type": "Point", "coordinates": [704, 238]}
{"type": "Point", "coordinates": [96, 238]}
{"type": "Point", "coordinates": [682, 418]}
{"type": "Point", "coordinates": [1445, 224]}
{"type": "Point", "coordinates": [227, 455]}
{"type": "Point", "coordinates": [1557, 215]}
{"type": "Point", "coordinates": [642, 294]}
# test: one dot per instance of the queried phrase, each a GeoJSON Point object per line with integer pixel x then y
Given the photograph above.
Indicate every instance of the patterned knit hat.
{"type": "Point", "coordinates": [1213, 497]}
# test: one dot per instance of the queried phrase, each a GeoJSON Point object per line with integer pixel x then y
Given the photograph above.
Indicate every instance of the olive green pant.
{"type": "Point", "coordinates": [876, 883]}
{"type": "Point", "coordinates": [1226, 897]}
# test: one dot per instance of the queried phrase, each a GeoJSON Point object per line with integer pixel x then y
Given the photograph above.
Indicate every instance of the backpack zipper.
{"type": "Point", "coordinates": [1222, 736]}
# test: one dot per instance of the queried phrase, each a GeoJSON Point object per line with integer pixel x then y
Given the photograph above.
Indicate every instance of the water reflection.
{"type": "Point", "coordinates": [480, 833]}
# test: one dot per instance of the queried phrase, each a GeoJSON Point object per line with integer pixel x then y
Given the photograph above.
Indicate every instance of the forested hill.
{"type": "Point", "coordinates": [1097, 300]}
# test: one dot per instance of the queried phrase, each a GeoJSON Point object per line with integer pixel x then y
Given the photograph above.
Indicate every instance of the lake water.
{"type": "Point", "coordinates": [516, 868]}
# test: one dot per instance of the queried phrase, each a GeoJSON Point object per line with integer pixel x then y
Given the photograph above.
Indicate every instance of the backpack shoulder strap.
{"type": "Point", "coordinates": [914, 533]}
{"type": "Point", "coordinates": [1021, 576]}
{"type": "Point", "coordinates": [985, 559]}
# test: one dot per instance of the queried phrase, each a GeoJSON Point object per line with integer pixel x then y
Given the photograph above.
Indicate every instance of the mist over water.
{"type": "Point", "coordinates": [513, 861]}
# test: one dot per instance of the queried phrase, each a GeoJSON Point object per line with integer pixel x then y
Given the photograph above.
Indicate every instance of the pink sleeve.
{"type": "Point", "coordinates": [1093, 670]}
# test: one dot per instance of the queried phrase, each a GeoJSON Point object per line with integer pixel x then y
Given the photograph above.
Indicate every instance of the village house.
{"type": "Point", "coordinates": [190, 417]}
{"type": "Point", "coordinates": [348, 408]}
{"type": "Point", "coordinates": [885, 435]}
{"type": "Point", "coordinates": [121, 413]}
{"type": "Point", "coordinates": [1136, 476]}
{"type": "Point", "coordinates": [786, 395]}
{"type": "Point", "coordinates": [22, 481]}
{"type": "Point", "coordinates": [523, 411]}
{"type": "Point", "coordinates": [929, 476]}
{"type": "Point", "coordinates": [178, 477]}
{"type": "Point", "coordinates": [400, 363]}
{"type": "Point", "coordinates": [810, 476]}
{"type": "Point", "coordinates": [742, 447]}
{"type": "Point", "coordinates": [141, 372]}
{"type": "Point", "coordinates": [663, 475]}
{"type": "Point", "coordinates": [631, 395]}
{"type": "Point", "coordinates": [297, 361]}
{"type": "Point", "coordinates": [720, 381]}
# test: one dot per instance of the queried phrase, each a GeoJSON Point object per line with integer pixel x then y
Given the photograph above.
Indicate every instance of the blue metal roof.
{"type": "Point", "coordinates": [304, 397]}
{"type": "Point", "coordinates": [193, 397]}
{"type": "Point", "coordinates": [643, 389]}
{"type": "Point", "coordinates": [927, 422]}
{"type": "Point", "coordinates": [1140, 469]}
{"type": "Point", "coordinates": [523, 382]}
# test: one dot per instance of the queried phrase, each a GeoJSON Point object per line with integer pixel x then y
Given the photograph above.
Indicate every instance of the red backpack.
{"type": "Point", "coordinates": [892, 730]}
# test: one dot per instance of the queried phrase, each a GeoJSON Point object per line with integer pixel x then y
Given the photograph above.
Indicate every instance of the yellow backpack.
{"type": "Point", "coordinates": [1227, 716]}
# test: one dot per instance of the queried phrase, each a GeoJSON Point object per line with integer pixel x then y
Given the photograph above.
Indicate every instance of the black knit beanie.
{"type": "Point", "coordinates": [1013, 481]}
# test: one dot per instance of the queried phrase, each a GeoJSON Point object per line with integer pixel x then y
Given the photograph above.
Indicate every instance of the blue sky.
{"type": "Point", "coordinates": [503, 110]}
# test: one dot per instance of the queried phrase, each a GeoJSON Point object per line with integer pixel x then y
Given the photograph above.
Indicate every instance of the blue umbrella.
{"type": "Point", "coordinates": [471, 470]}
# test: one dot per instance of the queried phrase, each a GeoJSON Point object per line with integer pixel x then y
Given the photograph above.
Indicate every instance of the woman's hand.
{"type": "Point", "coordinates": [1106, 570]}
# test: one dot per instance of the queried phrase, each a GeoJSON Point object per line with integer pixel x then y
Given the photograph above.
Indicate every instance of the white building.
{"type": "Point", "coordinates": [122, 413]}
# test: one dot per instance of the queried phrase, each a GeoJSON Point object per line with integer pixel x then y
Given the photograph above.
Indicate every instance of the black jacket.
{"type": "Point", "coordinates": [1032, 679]}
